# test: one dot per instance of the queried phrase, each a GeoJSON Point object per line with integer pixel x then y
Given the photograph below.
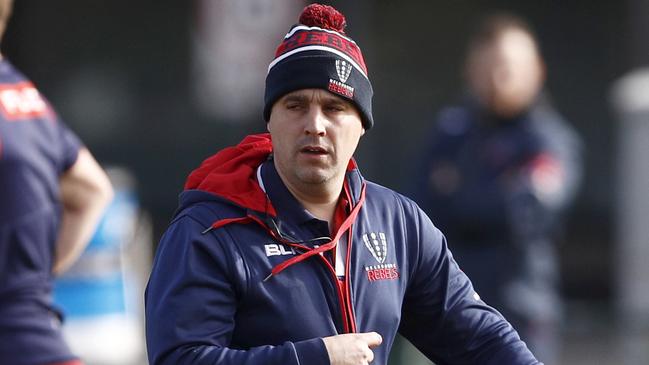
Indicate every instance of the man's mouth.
{"type": "Point", "coordinates": [314, 150]}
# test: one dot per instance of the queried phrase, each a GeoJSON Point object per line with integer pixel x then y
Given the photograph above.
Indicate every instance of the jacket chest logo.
{"type": "Point", "coordinates": [377, 244]}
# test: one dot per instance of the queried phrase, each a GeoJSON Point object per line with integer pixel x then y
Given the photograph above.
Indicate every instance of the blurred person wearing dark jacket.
{"type": "Point", "coordinates": [497, 173]}
{"type": "Point", "coordinates": [52, 195]}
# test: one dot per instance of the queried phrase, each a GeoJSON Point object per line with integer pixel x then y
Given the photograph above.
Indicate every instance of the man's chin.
{"type": "Point", "coordinates": [313, 176]}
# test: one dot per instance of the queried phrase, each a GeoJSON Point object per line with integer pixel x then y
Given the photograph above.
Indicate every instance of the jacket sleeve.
{"type": "Point", "coordinates": [191, 302]}
{"type": "Point", "coordinates": [443, 316]}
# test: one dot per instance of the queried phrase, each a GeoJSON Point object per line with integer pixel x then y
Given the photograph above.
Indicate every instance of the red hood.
{"type": "Point", "coordinates": [231, 173]}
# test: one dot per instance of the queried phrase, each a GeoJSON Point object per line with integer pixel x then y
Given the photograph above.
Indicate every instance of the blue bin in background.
{"type": "Point", "coordinates": [100, 295]}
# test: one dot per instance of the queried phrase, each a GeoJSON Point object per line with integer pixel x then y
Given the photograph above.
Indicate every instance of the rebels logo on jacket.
{"type": "Point", "coordinates": [377, 244]}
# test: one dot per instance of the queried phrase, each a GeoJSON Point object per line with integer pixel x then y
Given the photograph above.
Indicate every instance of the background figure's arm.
{"type": "Point", "coordinates": [547, 184]}
{"type": "Point", "coordinates": [442, 314]}
{"type": "Point", "coordinates": [85, 193]}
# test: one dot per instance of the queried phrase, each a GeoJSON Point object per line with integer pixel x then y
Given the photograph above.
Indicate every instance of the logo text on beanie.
{"type": "Point", "coordinates": [339, 88]}
{"type": "Point", "coordinates": [306, 38]}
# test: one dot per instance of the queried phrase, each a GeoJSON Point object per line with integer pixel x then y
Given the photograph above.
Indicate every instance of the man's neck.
{"type": "Point", "coordinates": [319, 199]}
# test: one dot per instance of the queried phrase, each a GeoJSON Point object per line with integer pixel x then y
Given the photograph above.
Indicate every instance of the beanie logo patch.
{"type": "Point", "coordinates": [343, 69]}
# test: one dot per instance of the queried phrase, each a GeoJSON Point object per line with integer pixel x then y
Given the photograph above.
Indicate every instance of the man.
{"type": "Point", "coordinates": [52, 194]}
{"type": "Point", "coordinates": [281, 253]}
{"type": "Point", "coordinates": [498, 172]}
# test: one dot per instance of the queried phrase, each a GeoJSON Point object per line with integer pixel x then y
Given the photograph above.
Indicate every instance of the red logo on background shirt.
{"type": "Point", "coordinates": [21, 101]}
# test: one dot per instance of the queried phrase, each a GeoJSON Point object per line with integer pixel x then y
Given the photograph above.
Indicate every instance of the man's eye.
{"type": "Point", "coordinates": [336, 108]}
{"type": "Point", "coordinates": [292, 106]}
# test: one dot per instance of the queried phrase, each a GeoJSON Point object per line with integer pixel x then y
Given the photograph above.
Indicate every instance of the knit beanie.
{"type": "Point", "coordinates": [316, 54]}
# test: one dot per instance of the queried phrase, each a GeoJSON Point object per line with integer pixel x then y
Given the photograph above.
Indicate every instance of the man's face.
{"type": "Point", "coordinates": [314, 134]}
{"type": "Point", "coordinates": [507, 74]}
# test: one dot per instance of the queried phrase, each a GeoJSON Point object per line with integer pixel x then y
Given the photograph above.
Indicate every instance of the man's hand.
{"type": "Point", "coordinates": [352, 348]}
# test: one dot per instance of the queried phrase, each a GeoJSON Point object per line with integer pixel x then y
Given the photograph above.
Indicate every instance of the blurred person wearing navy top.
{"type": "Point", "coordinates": [281, 253]}
{"type": "Point", "coordinates": [52, 195]}
{"type": "Point", "coordinates": [498, 171]}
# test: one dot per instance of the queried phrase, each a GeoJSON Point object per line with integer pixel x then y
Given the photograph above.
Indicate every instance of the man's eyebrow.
{"type": "Point", "coordinates": [336, 101]}
{"type": "Point", "coordinates": [295, 97]}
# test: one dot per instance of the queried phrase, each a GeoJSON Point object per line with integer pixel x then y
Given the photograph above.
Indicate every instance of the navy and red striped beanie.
{"type": "Point", "coordinates": [317, 54]}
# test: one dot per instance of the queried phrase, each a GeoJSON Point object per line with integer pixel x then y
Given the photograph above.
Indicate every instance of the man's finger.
{"type": "Point", "coordinates": [369, 356]}
{"type": "Point", "coordinates": [373, 339]}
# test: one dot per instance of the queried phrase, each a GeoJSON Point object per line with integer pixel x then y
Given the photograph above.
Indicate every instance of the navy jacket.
{"type": "Point", "coordinates": [238, 277]}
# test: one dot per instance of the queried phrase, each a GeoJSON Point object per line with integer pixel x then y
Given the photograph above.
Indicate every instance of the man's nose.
{"type": "Point", "coordinates": [315, 122]}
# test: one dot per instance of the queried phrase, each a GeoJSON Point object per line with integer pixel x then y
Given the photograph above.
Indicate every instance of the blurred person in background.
{"type": "Point", "coordinates": [498, 171]}
{"type": "Point", "coordinates": [52, 195]}
{"type": "Point", "coordinates": [282, 253]}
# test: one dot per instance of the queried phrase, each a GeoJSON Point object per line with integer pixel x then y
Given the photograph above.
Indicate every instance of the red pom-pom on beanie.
{"type": "Point", "coordinates": [323, 16]}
